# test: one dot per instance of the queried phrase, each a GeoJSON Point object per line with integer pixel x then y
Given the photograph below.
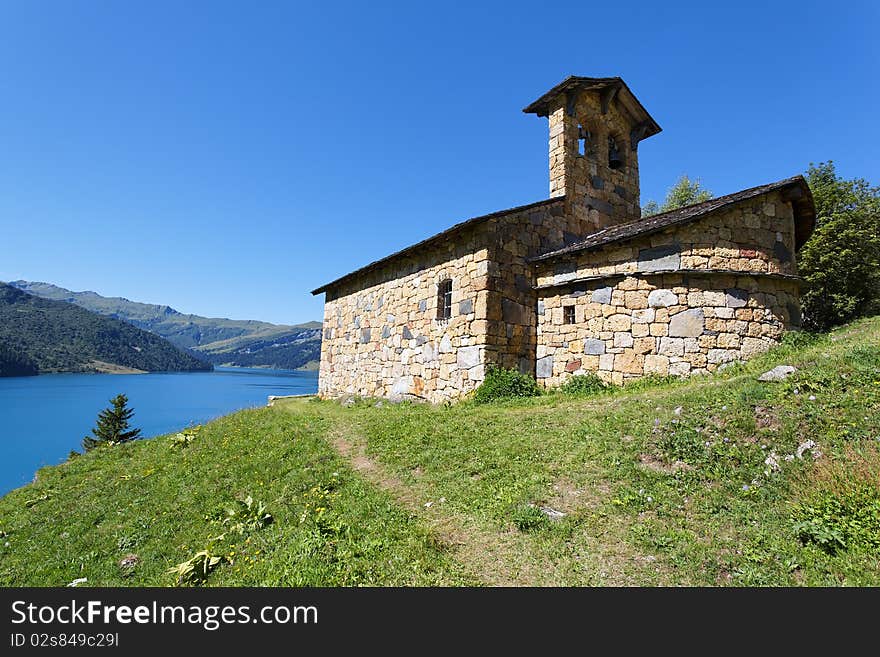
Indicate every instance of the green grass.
{"type": "Point", "coordinates": [661, 482]}
{"type": "Point", "coordinates": [160, 502]}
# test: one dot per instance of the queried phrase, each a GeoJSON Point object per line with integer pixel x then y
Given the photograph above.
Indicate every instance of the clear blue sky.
{"type": "Point", "coordinates": [226, 158]}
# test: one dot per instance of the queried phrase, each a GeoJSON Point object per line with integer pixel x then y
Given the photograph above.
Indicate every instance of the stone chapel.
{"type": "Point", "coordinates": [576, 283]}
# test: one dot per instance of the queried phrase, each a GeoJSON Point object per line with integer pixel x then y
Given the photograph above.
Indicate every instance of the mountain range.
{"type": "Point", "coordinates": [220, 341]}
{"type": "Point", "coordinates": [41, 335]}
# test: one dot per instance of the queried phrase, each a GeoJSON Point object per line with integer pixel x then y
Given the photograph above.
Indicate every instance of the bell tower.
{"type": "Point", "coordinates": [596, 125]}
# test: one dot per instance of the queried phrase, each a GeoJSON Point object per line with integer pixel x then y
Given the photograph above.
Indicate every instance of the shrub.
{"type": "Point", "coordinates": [505, 384]}
{"type": "Point", "coordinates": [583, 385]}
{"type": "Point", "coordinates": [840, 262]}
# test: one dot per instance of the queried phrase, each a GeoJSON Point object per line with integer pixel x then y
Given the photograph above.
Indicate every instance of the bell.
{"type": "Point", "coordinates": [614, 159]}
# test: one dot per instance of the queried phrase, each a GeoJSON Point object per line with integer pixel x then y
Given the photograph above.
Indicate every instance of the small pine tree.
{"type": "Point", "coordinates": [112, 426]}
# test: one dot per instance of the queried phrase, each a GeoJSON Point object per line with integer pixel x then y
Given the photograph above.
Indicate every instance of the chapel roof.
{"type": "Point", "coordinates": [608, 87]}
{"type": "Point", "coordinates": [794, 189]}
{"type": "Point", "coordinates": [434, 239]}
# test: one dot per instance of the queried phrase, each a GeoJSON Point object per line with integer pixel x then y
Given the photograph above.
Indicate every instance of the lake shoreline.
{"type": "Point", "coordinates": [44, 417]}
{"type": "Point", "coordinates": [122, 370]}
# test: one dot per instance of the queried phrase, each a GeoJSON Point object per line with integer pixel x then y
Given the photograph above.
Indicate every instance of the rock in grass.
{"type": "Point", "coordinates": [551, 513]}
{"type": "Point", "coordinates": [128, 562]}
{"type": "Point", "coordinates": [778, 373]}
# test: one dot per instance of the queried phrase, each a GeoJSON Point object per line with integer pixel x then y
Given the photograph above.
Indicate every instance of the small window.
{"type": "Point", "coordinates": [568, 314]}
{"type": "Point", "coordinates": [444, 299]}
{"type": "Point", "coordinates": [583, 138]}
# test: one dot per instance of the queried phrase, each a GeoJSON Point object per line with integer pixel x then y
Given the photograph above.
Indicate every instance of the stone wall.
{"type": "Point", "coordinates": [660, 324]}
{"type": "Point", "coordinates": [515, 239]}
{"type": "Point", "coordinates": [681, 301]}
{"type": "Point", "coordinates": [382, 337]}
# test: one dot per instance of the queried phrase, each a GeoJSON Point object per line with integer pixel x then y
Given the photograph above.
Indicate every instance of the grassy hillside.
{"type": "Point", "coordinates": [53, 336]}
{"type": "Point", "coordinates": [245, 343]}
{"type": "Point", "coordinates": [694, 483]}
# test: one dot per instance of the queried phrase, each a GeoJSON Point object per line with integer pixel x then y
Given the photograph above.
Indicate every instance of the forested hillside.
{"type": "Point", "coordinates": [297, 350]}
{"type": "Point", "coordinates": [244, 343]}
{"type": "Point", "coordinates": [12, 364]}
{"type": "Point", "coordinates": [53, 336]}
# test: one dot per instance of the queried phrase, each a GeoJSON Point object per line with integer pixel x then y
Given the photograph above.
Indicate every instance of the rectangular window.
{"type": "Point", "coordinates": [444, 299]}
{"type": "Point", "coordinates": [568, 314]}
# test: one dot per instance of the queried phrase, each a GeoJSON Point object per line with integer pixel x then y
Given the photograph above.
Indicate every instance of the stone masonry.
{"type": "Point", "coordinates": [382, 337]}
{"type": "Point", "coordinates": [577, 283]}
{"type": "Point", "coordinates": [580, 134]}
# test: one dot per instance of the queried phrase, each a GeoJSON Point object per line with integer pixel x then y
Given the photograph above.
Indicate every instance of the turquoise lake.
{"type": "Point", "coordinates": [43, 417]}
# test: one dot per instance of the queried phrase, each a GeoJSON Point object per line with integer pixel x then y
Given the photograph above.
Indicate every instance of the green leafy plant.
{"type": "Point", "coordinates": [197, 568]}
{"type": "Point", "coordinates": [809, 381]}
{"type": "Point", "coordinates": [840, 502]}
{"type": "Point", "coordinates": [682, 442]}
{"type": "Point", "coordinates": [840, 520]}
{"type": "Point", "coordinates": [843, 520]}
{"type": "Point", "coordinates": [127, 542]}
{"type": "Point", "coordinates": [528, 517]}
{"type": "Point", "coordinates": [318, 511]}
{"type": "Point", "coordinates": [247, 515]}
{"type": "Point", "coordinates": [184, 438]}
{"type": "Point", "coordinates": [503, 383]}
{"type": "Point", "coordinates": [583, 385]}
{"type": "Point", "coordinates": [820, 530]}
